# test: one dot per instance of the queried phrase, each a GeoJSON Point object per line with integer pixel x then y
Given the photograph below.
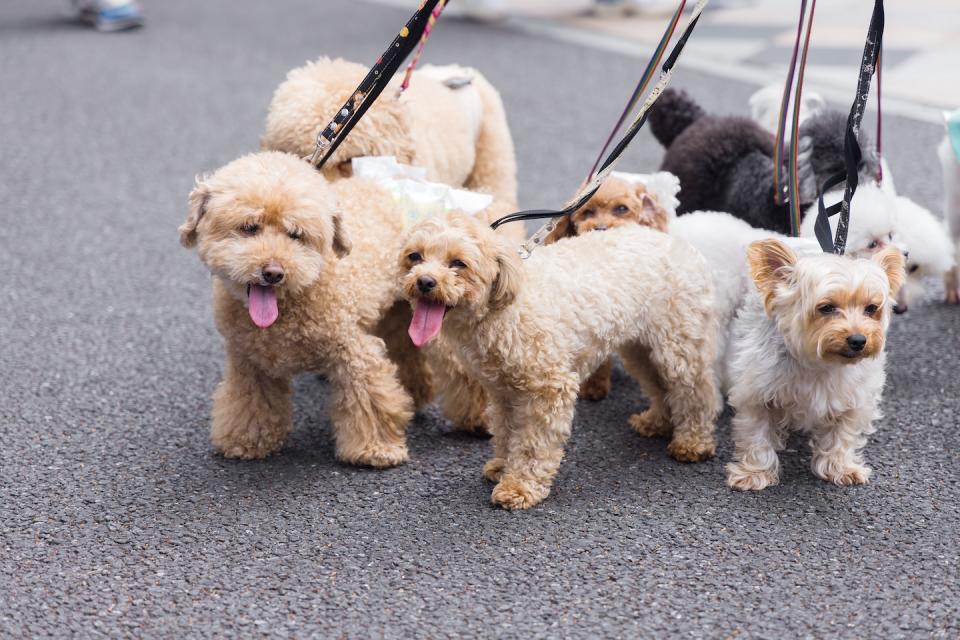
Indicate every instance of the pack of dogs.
{"type": "Point", "coordinates": [699, 291]}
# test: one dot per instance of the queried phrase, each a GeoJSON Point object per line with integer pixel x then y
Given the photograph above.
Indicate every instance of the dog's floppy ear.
{"type": "Point", "coordinates": [564, 229]}
{"type": "Point", "coordinates": [892, 262]}
{"type": "Point", "coordinates": [199, 198]}
{"type": "Point", "coordinates": [506, 286]}
{"type": "Point", "coordinates": [342, 245]}
{"type": "Point", "coordinates": [770, 262]}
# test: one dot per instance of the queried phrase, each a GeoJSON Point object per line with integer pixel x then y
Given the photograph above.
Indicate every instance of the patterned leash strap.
{"type": "Point", "coordinates": [434, 15]}
{"type": "Point", "coordinates": [852, 153]}
{"type": "Point", "coordinates": [586, 191]}
{"type": "Point", "coordinates": [645, 79]}
{"type": "Point", "coordinates": [373, 84]}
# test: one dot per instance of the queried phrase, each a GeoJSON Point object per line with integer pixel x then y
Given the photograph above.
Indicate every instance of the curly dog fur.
{"type": "Point", "coordinates": [532, 331]}
{"type": "Point", "coordinates": [616, 203]}
{"type": "Point", "coordinates": [460, 135]}
{"type": "Point", "coordinates": [322, 257]}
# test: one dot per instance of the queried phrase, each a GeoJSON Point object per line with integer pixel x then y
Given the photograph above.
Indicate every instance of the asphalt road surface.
{"type": "Point", "coordinates": [117, 519]}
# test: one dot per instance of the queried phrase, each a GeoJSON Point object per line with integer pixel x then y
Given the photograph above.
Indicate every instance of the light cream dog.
{"type": "Point", "coordinates": [450, 121]}
{"type": "Point", "coordinates": [531, 332]}
{"type": "Point", "coordinates": [303, 279]}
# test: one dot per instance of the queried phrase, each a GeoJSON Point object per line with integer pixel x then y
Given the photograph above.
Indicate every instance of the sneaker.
{"type": "Point", "coordinates": [609, 8]}
{"type": "Point", "coordinates": [110, 15]}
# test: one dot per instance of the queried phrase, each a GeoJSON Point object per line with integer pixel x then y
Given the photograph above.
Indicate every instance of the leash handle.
{"type": "Point", "coordinates": [373, 84]}
{"type": "Point", "coordinates": [590, 188]}
{"type": "Point", "coordinates": [852, 151]}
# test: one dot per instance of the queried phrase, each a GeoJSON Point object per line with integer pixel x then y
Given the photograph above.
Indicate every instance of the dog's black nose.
{"type": "Point", "coordinates": [857, 342]}
{"type": "Point", "coordinates": [426, 284]}
{"type": "Point", "coordinates": [900, 308]}
{"type": "Point", "coordinates": [600, 227]}
{"type": "Point", "coordinates": [272, 273]}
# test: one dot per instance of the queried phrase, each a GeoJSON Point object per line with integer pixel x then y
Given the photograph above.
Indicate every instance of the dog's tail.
{"type": "Point", "coordinates": [671, 114]}
{"type": "Point", "coordinates": [495, 167]}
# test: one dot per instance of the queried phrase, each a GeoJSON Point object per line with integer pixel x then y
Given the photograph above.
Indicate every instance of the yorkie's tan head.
{"type": "Point", "coordinates": [266, 224]}
{"type": "Point", "coordinates": [828, 308]}
{"type": "Point", "coordinates": [615, 204]}
{"type": "Point", "coordinates": [456, 264]}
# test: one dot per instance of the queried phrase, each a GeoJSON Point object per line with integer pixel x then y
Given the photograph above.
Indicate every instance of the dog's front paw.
{"type": "Point", "coordinates": [251, 445]}
{"type": "Point", "coordinates": [691, 449]}
{"type": "Point", "coordinates": [513, 493]}
{"type": "Point", "coordinates": [378, 456]}
{"type": "Point", "coordinates": [743, 479]}
{"type": "Point", "coordinates": [494, 469]}
{"type": "Point", "coordinates": [595, 388]}
{"type": "Point", "coordinates": [846, 476]}
{"type": "Point", "coordinates": [650, 424]}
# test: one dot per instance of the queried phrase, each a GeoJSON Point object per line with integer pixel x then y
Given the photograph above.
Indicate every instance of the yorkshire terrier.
{"type": "Point", "coordinates": [531, 331]}
{"type": "Point", "coordinates": [616, 203]}
{"type": "Point", "coordinates": [807, 354]}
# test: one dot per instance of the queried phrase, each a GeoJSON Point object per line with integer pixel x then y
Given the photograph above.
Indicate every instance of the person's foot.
{"type": "Point", "coordinates": [110, 15]}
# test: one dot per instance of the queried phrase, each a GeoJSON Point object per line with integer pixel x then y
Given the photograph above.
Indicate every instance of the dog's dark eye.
{"type": "Point", "coordinates": [250, 229]}
{"type": "Point", "coordinates": [296, 234]}
{"type": "Point", "coordinates": [415, 257]}
{"type": "Point", "coordinates": [826, 309]}
{"type": "Point", "coordinates": [913, 268]}
{"type": "Point", "coordinates": [458, 264]}
{"type": "Point", "coordinates": [870, 309]}
{"type": "Point", "coordinates": [588, 213]}
{"type": "Point", "coordinates": [621, 209]}
{"type": "Point", "coordinates": [873, 245]}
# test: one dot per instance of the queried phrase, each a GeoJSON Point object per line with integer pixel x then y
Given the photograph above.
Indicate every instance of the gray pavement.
{"type": "Point", "coordinates": [117, 519]}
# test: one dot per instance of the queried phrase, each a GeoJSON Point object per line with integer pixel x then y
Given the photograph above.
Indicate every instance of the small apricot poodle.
{"type": "Point", "coordinates": [531, 332]}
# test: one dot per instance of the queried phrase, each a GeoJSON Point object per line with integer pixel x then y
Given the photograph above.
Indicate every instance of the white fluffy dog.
{"type": "Point", "coordinates": [532, 331]}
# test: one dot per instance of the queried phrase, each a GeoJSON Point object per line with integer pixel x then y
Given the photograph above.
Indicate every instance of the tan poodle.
{"type": "Point", "coordinates": [450, 121]}
{"type": "Point", "coordinates": [531, 331]}
{"type": "Point", "coordinates": [616, 203]}
{"type": "Point", "coordinates": [304, 277]}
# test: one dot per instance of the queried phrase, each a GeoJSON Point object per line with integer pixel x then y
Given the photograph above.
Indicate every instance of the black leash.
{"type": "Point", "coordinates": [373, 84]}
{"type": "Point", "coordinates": [852, 151]}
{"type": "Point", "coordinates": [607, 166]}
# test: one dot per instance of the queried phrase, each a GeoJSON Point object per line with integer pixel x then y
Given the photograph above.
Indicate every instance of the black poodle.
{"type": "Point", "coordinates": [725, 163]}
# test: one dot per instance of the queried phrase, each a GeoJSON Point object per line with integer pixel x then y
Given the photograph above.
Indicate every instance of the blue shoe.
{"type": "Point", "coordinates": [111, 15]}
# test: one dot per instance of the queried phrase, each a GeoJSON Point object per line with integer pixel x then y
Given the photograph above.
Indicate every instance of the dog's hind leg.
{"type": "Point", "coordinates": [684, 367]}
{"type": "Point", "coordinates": [541, 422]}
{"type": "Point", "coordinates": [252, 412]}
{"type": "Point", "coordinates": [597, 386]}
{"type": "Point", "coordinates": [655, 421]}
{"type": "Point", "coordinates": [369, 408]}
{"type": "Point", "coordinates": [412, 366]}
{"type": "Point", "coordinates": [495, 167]}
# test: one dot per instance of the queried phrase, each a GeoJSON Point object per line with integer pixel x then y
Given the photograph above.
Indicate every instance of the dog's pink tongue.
{"type": "Point", "coordinates": [262, 304]}
{"type": "Point", "coordinates": [427, 321]}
